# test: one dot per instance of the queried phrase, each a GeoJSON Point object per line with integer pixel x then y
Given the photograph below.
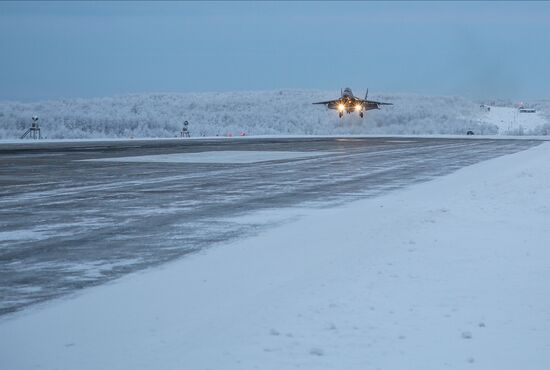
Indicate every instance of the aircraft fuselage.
{"type": "Point", "coordinates": [350, 103]}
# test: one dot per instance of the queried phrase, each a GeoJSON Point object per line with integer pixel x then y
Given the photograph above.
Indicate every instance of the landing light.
{"type": "Point", "coordinates": [358, 107]}
{"type": "Point", "coordinates": [341, 107]}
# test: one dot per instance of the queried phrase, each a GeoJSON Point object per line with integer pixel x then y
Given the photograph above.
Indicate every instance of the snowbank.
{"type": "Point", "coordinates": [449, 273]}
{"type": "Point", "coordinates": [255, 113]}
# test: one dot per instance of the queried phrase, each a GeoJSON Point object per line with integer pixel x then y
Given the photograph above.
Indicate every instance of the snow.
{"type": "Point", "coordinates": [511, 122]}
{"type": "Point", "coordinates": [219, 156]}
{"type": "Point", "coordinates": [448, 273]}
{"type": "Point", "coordinates": [279, 112]}
{"type": "Point", "coordinates": [20, 235]}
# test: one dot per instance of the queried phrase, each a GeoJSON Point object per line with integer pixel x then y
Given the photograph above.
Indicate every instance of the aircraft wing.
{"type": "Point", "coordinates": [327, 102]}
{"type": "Point", "coordinates": [375, 102]}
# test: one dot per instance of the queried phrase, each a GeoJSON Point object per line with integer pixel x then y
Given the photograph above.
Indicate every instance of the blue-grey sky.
{"type": "Point", "coordinates": [90, 49]}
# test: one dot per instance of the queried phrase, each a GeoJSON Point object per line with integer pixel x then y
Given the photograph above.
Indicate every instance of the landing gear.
{"type": "Point", "coordinates": [340, 114]}
{"type": "Point", "coordinates": [361, 114]}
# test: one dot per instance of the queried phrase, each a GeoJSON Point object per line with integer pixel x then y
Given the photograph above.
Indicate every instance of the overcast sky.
{"type": "Point", "coordinates": [76, 49]}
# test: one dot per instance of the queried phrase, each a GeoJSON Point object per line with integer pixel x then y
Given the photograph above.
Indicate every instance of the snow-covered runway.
{"type": "Point", "coordinates": [450, 273]}
{"type": "Point", "coordinates": [72, 217]}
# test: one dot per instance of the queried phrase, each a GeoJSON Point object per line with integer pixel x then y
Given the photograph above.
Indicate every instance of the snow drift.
{"type": "Point", "coordinates": [222, 113]}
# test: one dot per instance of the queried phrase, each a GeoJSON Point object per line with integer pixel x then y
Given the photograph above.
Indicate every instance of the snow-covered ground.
{"type": "Point", "coordinates": [280, 112]}
{"type": "Point", "coordinates": [511, 122]}
{"type": "Point", "coordinates": [451, 273]}
{"type": "Point", "coordinates": [218, 156]}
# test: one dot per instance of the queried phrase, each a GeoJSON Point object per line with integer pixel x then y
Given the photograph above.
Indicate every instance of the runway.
{"type": "Point", "coordinates": [77, 214]}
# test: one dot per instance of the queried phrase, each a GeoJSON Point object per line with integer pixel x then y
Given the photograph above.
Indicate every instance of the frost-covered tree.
{"type": "Point", "coordinates": [223, 113]}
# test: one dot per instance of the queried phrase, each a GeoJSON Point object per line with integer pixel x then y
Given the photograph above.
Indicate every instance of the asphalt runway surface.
{"type": "Point", "coordinates": [68, 221]}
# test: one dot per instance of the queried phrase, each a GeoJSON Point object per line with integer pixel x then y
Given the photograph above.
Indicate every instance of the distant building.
{"type": "Point", "coordinates": [523, 109]}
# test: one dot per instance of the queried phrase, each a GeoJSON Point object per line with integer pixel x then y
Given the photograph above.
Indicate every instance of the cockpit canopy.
{"type": "Point", "coordinates": [347, 92]}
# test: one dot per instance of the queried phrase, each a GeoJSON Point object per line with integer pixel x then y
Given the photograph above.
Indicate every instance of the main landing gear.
{"type": "Point", "coordinates": [341, 114]}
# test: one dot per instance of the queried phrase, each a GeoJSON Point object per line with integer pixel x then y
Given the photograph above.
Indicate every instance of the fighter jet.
{"type": "Point", "coordinates": [350, 103]}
